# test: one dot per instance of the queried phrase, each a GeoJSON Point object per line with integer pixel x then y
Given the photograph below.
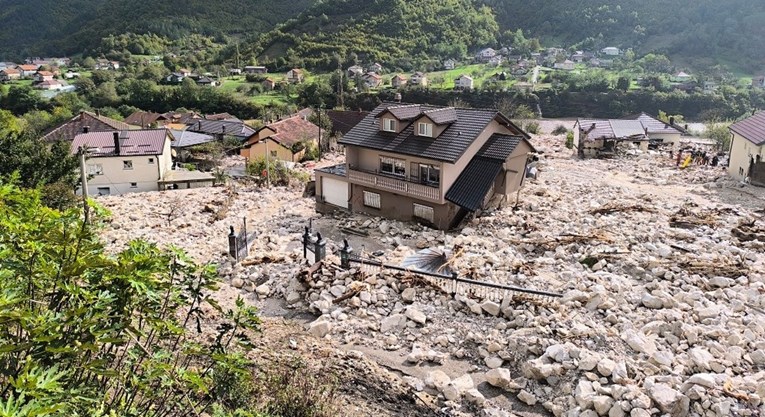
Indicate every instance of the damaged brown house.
{"type": "Point", "coordinates": [425, 163]}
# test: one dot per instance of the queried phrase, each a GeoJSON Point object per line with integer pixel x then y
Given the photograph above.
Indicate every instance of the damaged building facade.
{"type": "Point", "coordinates": [424, 163]}
{"type": "Point", "coordinates": [602, 137]}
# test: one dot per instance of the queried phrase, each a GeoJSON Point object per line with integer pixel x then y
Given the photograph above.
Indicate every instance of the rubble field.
{"type": "Point", "coordinates": [661, 272]}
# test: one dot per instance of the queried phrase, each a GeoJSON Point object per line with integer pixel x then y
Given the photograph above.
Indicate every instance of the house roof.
{"type": "Point", "coordinates": [477, 179]}
{"type": "Point", "coordinates": [184, 138]}
{"type": "Point", "coordinates": [655, 125]}
{"type": "Point", "coordinates": [372, 75]}
{"type": "Point", "coordinates": [442, 116]}
{"type": "Point", "coordinates": [45, 73]}
{"type": "Point", "coordinates": [344, 121]}
{"type": "Point", "coordinates": [293, 130]}
{"type": "Point", "coordinates": [185, 118]}
{"type": "Point", "coordinates": [221, 116]}
{"type": "Point", "coordinates": [142, 118]}
{"type": "Point", "coordinates": [69, 129]}
{"type": "Point", "coordinates": [227, 127]}
{"type": "Point", "coordinates": [449, 146]}
{"type": "Point", "coordinates": [752, 128]}
{"type": "Point", "coordinates": [29, 67]}
{"type": "Point", "coordinates": [132, 142]}
{"type": "Point", "coordinates": [296, 71]}
{"type": "Point", "coordinates": [11, 71]}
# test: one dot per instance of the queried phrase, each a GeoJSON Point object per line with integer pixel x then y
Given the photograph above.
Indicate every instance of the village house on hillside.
{"type": "Point", "coordinates": [376, 67]}
{"type": "Point", "coordinates": [463, 82]}
{"type": "Point", "coordinates": [398, 81]}
{"type": "Point", "coordinates": [344, 120]}
{"type": "Point", "coordinates": [9, 74]}
{"type": "Point", "coordinates": [418, 78]}
{"type": "Point", "coordinates": [83, 122]}
{"type": "Point", "coordinates": [295, 76]}
{"type": "Point", "coordinates": [372, 80]}
{"type": "Point", "coordinates": [355, 71]}
{"type": "Point", "coordinates": [285, 140]}
{"type": "Point", "coordinates": [144, 119]}
{"type": "Point", "coordinates": [450, 64]}
{"type": "Point", "coordinates": [425, 163]}
{"type": "Point", "coordinates": [486, 54]}
{"type": "Point", "coordinates": [255, 69]}
{"type": "Point", "coordinates": [28, 70]}
{"type": "Point", "coordinates": [747, 150]}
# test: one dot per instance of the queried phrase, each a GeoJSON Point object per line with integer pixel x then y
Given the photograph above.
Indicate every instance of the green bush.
{"type": "Point", "coordinates": [87, 333]}
{"type": "Point", "coordinates": [570, 140]}
{"type": "Point", "coordinates": [274, 172]}
{"type": "Point", "coordinates": [532, 127]}
{"type": "Point", "coordinates": [294, 390]}
{"type": "Point", "coordinates": [559, 130]}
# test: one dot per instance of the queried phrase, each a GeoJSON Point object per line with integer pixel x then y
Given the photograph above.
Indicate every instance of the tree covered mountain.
{"type": "Point", "coordinates": [47, 27]}
{"type": "Point", "coordinates": [699, 33]}
{"type": "Point", "coordinates": [314, 33]}
{"type": "Point", "coordinates": [396, 32]}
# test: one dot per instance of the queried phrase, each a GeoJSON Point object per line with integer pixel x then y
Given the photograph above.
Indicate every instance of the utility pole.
{"type": "Point", "coordinates": [84, 185]}
{"type": "Point", "coordinates": [318, 115]}
{"type": "Point", "coordinates": [340, 85]}
{"type": "Point", "coordinates": [268, 168]}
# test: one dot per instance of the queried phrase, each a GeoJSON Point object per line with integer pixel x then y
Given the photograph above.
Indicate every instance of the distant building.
{"type": "Point", "coordinates": [255, 69]}
{"type": "Point", "coordinates": [681, 77]}
{"type": "Point", "coordinates": [610, 51]}
{"type": "Point", "coordinates": [285, 140]}
{"type": "Point", "coordinates": [484, 55]}
{"type": "Point", "coordinates": [463, 82]}
{"type": "Point", "coordinates": [295, 76]}
{"type": "Point", "coordinates": [376, 68]}
{"type": "Point", "coordinates": [355, 71]}
{"type": "Point", "coordinates": [747, 149]}
{"type": "Point", "coordinates": [398, 81]}
{"type": "Point", "coordinates": [418, 78]}
{"type": "Point", "coordinates": [234, 71]}
{"type": "Point", "coordinates": [9, 74]}
{"type": "Point", "coordinates": [372, 80]}
{"type": "Point", "coordinates": [450, 64]}
{"type": "Point", "coordinates": [566, 65]}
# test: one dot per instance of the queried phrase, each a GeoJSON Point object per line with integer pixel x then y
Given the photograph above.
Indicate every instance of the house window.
{"type": "Point", "coordinates": [425, 129]}
{"type": "Point", "coordinates": [423, 212]}
{"type": "Point", "coordinates": [127, 164]}
{"type": "Point", "coordinates": [371, 199]}
{"type": "Point", "coordinates": [103, 191]}
{"type": "Point", "coordinates": [389, 125]}
{"type": "Point", "coordinates": [430, 174]}
{"type": "Point", "coordinates": [95, 169]}
{"type": "Point", "coordinates": [133, 185]}
{"type": "Point", "coordinates": [151, 161]}
{"type": "Point", "coordinates": [273, 154]}
{"type": "Point", "coordinates": [392, 166]}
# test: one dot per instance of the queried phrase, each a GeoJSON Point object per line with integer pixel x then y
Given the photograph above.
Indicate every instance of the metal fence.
{"type": "Point", "coordinates": [452, 284]}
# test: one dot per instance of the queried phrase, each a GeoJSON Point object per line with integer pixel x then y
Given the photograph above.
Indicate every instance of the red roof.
{"type": "Point", "coordinates": [293, 130]}
{"type": "Point", "coordinates": [752, 128]}
{"type": "Point", "coordinates": [11, 71]}
{"type": "Point", "coordinates": [132, 142]}
{"type": "Point", "coordinates": [28, 67]}
{"type": "Point", "coordinates": [45, 73]}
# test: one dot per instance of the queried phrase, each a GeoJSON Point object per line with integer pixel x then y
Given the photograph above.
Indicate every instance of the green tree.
{"type": "Point", "coordinates": [22, 99]}
{"type": "Point", "coordinates": [86, 333]}
{"type": "Point", "coordinates": [623, 83]}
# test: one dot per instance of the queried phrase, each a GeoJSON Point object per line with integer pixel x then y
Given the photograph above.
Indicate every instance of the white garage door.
{"type": "Point", "coordinates": [335, 192]}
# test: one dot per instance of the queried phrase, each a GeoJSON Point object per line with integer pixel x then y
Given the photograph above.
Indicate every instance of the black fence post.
{"type": "Point", "coordinates": [306, 241]}
{"type": "Point", "coordinates": [345, 255]}
{"type": "Point", "coordinates": [232, 249]}
{"type": "Point", "coordinates": [319, 248]}
{"type": "Point", "coordinates": [246, 239]}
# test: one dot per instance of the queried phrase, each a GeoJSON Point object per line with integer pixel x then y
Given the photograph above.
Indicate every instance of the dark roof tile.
{"type": "Point", "coordinates": [474, 183]}
{"type": "Point", "coordinates": [449, 146]}
{"type": "Point", "coordinates": [751, 128]}
{"type": "Point", "coordinates": [69, 129]}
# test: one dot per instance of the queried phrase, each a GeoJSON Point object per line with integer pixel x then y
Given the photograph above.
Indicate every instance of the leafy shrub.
{"type": "Point", "coordinates": [274, 171]}
{"type": "Point", "coordinates": [532, 127]}
{"type": "Point", "coordinates": [86, 333]}
{"type": "Point", "coordinates": [570, 140]}
{"type": "Point", "coordinates": [559, 130]}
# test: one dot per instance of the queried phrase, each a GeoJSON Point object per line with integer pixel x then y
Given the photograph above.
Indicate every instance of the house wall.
{"type": "Point", "coordinates": [740, 154]}
{"type": "Point", "coordinates": [265, 147]}
{"type": "Point", "coordinates": [165, 160]}
{"type": "Point", "coordinates": [514, 170]}
{"type": "Point", "coordinates": [450, 172]}
{"type": "Point", "coordinates": [144, 174]}
{"type": "Point", "coordinates": [673, 138]}
{"type": "Point", "coordinates": [398, 207]}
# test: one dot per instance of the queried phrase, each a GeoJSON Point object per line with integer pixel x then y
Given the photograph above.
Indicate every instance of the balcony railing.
{"type": "Point", "coordinates": [396, 185]}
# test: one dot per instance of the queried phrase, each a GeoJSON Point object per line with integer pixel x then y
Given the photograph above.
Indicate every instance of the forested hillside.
{"type": "Point", "coordinates": [396, 32]}
{"type": "Point", "coordinates": [48, 27]}
{"type": "Point", "coordinates": [699, 32]}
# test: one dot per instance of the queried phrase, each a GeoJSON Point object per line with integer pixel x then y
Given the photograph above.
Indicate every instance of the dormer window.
{"type": "Point", "coordinates": [389, 125]}
{"type": "Point", "coordinates": [425, 129]}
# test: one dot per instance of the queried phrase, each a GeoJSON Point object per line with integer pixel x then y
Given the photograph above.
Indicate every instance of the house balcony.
{"type": "Point", "coordinates": [394, 184]}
